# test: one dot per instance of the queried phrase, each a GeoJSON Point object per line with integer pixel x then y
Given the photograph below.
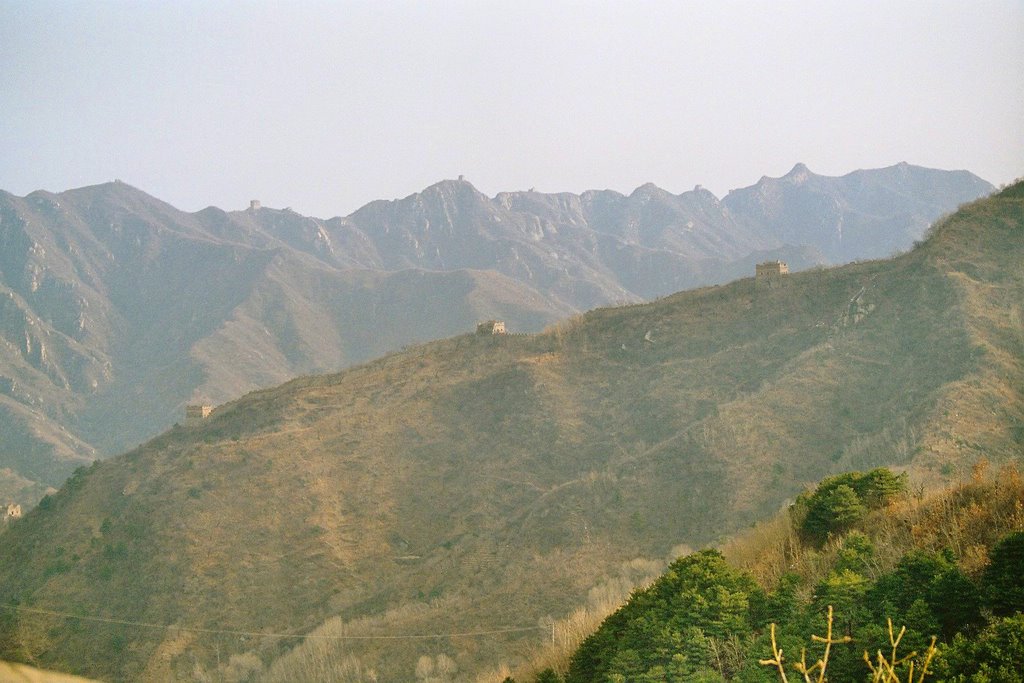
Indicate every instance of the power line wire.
{"type": "Point", "coordinates": [260, 634]}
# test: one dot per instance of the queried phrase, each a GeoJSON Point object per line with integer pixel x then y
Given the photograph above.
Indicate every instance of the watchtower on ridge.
{"type": "Point", "coordinates": [195, 414]}
{"type": "Point", "coordinates": [9, 512]}
{"type": "Point", "coordinates": [491, 327]}
{"type": "Point", "coordinates": [770, 273]}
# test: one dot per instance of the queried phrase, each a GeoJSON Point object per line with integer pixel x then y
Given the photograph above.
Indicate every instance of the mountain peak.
{"type": "Point", "coordinates": [108, 186]}
{"type": "Point", "coordinates": [798, 173]}
{"type": "Point", "coordinates": [453, 182]}
{"type": "Point", "coordinates": [648, 190]}
{"type": "Point", "coordinates": [115, 190]}
{"type": "Point", "coordinates": [703, 192]}
{"type": "Point", "coordinates": [451, 187]}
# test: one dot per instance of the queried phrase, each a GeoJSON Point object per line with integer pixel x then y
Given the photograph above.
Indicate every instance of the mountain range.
{"type": "Point", "coordinates": [116, 309]}
{"type": "Point", "coordinates": [454, 497]}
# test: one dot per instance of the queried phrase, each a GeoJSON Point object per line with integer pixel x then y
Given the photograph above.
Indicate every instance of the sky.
{"type": "Point", "coordinates": [325, 106]}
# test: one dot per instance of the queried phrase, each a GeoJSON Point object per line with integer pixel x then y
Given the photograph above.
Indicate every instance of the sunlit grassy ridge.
{"type": "Point", "coordinates": [480, 483]}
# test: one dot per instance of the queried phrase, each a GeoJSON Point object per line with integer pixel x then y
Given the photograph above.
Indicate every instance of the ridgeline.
{"type": "Point", "coordinates": [483, 483]}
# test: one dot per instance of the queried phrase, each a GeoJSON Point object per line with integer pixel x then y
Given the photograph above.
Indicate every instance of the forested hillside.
{"type": "Point", "coordinates": [947, 569]}
{"type": "Point", "coordinates": [946, 566]}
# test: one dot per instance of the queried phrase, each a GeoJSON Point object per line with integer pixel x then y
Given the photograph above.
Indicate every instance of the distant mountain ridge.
{"type": "Point", "coordinates": [116, 308]}
{"type": "Point", "coordinates": [479, 484]}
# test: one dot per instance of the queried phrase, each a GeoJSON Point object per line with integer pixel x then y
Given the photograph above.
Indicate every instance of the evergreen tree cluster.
{"type": "Point", "coordinates": [840, 502]}
{"type": "Point", "coordinates": [704, 620]}
{"type": "Point", "coordinates": [666, 632]}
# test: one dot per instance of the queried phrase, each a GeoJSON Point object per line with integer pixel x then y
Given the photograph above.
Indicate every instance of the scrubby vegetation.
{"type": "Point", "coordinates": [478, 484]}
{"type": "Point", "coordinates": [948, 566]}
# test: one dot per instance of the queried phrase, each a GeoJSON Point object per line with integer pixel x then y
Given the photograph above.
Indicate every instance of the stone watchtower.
{"type": "Point", "coordinates": [491, 327]}
{"type": "Point", "coordinates": [770, 273]}
{"type": "Point", "coordinates": [9, 512]}
{"type": "Point", "coordinates": [195, 414]}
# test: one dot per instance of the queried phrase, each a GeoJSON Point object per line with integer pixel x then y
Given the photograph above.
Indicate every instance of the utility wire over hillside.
{"type": "Point", "coordinates": [261, 634]}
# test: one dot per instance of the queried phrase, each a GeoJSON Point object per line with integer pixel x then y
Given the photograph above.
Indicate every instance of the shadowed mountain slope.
{"type": "Point", "coordinates": [116, 309]}
{"type": "Point", "coordinates": [482, 483]}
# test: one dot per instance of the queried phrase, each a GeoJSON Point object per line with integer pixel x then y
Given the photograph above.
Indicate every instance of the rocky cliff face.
{"type": "Point", "coordinates": [116, 308]}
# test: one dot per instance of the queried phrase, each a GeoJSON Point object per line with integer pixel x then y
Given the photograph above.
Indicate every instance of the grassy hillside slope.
{"type": "Point", "coordinates": [117, 310]}
{"type": "Point", "coordinates": [482, 483]}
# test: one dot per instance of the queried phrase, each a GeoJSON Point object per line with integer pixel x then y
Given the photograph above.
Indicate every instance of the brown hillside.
{"type": "Point", "coordinates": [107, 293]}
{"type": "Point", "coordinates": [481, 483]}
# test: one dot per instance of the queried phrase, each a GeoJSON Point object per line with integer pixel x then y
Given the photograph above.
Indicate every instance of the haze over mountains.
{"type": "Point", "coordinates": [116, 309]}
{"type": "Point", "coordinates": [482, 482]}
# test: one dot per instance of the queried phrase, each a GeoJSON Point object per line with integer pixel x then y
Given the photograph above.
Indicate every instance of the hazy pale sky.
{"type": "Point", "coordinates": [324, 106]}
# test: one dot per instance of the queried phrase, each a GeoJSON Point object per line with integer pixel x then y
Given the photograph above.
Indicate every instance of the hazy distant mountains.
{"type": "Point", "coordinates": [476, 484]}
{"type": "Point", "coordinates": [116, 308]}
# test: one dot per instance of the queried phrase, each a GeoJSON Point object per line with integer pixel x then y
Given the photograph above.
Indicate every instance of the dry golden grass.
{"type": "Point", "coordinates": [493, 481]}
{"type": "Point", "coordinates": [569, 632]}
{"type": "Point", "coordinates": [966, 518]}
